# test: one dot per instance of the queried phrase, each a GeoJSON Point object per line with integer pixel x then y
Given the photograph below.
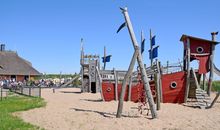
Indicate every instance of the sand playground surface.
{"type": "Point", "coordinates": [68, 109]}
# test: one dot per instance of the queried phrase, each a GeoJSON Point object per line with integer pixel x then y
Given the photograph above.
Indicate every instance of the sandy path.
{"type": "Point", "coordinates": [67, 109]}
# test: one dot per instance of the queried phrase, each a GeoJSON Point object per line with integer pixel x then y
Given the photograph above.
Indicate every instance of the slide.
{"type": "Point", "coordinates": [69, 82]}
{"type": "Point", "coordinates": [216, 70]}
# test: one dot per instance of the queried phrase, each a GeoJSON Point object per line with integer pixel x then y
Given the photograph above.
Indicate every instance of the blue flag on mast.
{"type": "Point", "coordinates": [142, 46]}
{"type": "Point", "coordinates": [154, 52]}
{"type": "Point", "coordinates": [106, 59]}
{"type": "Point", "coordinates": [153, 40]}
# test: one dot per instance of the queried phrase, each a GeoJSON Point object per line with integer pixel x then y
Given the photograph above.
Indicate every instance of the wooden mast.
{"type": "Point", "coordinates": [104, 58]}
{"type": "Point", "coordinates": [145, 79]}
{"type": "Point", "coordinates": [151, 49]}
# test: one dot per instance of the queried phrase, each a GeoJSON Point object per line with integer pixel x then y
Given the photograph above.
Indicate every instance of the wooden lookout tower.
{"type": "Point", "coordinates": [89, 76]}
{"type": "Point", "coordinates": [201, 50]}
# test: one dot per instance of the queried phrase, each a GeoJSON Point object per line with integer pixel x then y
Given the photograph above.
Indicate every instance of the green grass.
{"type": "Point", "coordinates": [14, 104]}
{"type": "Point", "coordinates": [216, 86]}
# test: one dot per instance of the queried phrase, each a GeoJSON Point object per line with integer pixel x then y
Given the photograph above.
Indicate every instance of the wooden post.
{"type": "Point", "coordinates": [195, 78]}
{"type": "Point", "coordinates": [124, 83]}
{"type": "Point", "coordinates": [116, 84]}
{"type": "Point", "coordinates": [167, 67]}
{"type": "Point", "coordinates": [214, 101]}
{"type": "Point", "coordinates": [211, 64]}
{"type": "Point", "coordinates": [203, 84]}
{"type": "Point", "coordinates": [1, 92]}
{"type": "Point", "coordinates": [188, 70]}
{"type": "Point", "coordinates": [151, 50]}
{"type": "Point", "coordinates": [160, 81]}
{"type": "Point", "coordinates": [30, 91]}
{"type": "Point", "coordinates": [100, 83]}
{"type": "Point", "coordinates": [144, 76]}
{"type": "Point", "coordinates": [129, 88]}
{"type": "Point", "coordinates": [156, 80]}
{"type": "Point", "coordinates": [39, 91]}
{"type": "Point", "coordinates": [104, 57]}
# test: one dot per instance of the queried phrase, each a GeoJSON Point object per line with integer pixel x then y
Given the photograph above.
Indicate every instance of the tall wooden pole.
{"type": "Point", "coordinates": [145, 79]}
{"type": "Point", "coordinates": [188, 70]}
{"type": "Point", "coordinates": [151, 48]}
{"type": "Point", "coordinates": [104, 57]}
{"type": "Point", "coordinates": [211, 64]}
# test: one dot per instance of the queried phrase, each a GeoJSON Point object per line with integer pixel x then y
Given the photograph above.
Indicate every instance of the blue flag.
{"type": "Point", "coordinates": [153, 40]}
{"type": "Point", "coordinates": [154, 53]}
{"type": "Point", "coordinates": [142, 46]}
{"type": "Point", "coordinates": [106, 59]}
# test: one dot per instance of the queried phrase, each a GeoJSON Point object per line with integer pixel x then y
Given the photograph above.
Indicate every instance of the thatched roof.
{"type": "Point", "coordinates": [12, 64]}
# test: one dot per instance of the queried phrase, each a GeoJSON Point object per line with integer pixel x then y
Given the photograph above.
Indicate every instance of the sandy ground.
{"type": "Point", "coordinates": [68, 109]}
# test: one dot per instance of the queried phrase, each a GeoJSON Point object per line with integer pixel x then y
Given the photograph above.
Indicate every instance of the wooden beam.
{"type": "Point", "coordinates": [100, 83]}
{"type": "Point", "coordinates": [188, 70]}
{"type": "Point", "coordinates": [157, 87]}
{"type": "Point", "coordinates": [144, 76]}
{"type": "Point", "coordinates": [116, 85]}
{"type": "Point", "coordinates": [160, 81]}
{"type": "Point", "coordinates": [211, 64]}
{"type": "Point", "coordinates": [203, 84]}
{"type": "Point", "coordinates": [124, 83]}
{"type": "Point", "coordinates": [129, 88]}
{"type": "Point", "coordinates": [195, 78]}
{"type": "Point", "coordinates": [214, 101]}
{"type": "Point", "coordinates": [211, 70]}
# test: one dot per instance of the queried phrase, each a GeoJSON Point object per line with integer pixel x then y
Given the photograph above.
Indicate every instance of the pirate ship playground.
{"type": "Point", "coordinates": [154, 84]}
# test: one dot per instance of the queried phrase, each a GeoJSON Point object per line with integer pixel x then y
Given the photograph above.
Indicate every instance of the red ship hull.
{"type": "Point", "coordinates": [170, 95]}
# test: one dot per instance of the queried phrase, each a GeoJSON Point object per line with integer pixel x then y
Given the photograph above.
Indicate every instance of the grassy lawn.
{"type": "Point", "coordinates": [14, 104]}
{"type": "Point", "coordinates": [216, 86]}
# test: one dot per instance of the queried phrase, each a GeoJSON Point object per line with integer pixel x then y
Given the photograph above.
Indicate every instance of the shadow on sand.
{"type": "Point", "coordinates": [104, 114]}
{"type": "Point", "coordinates": [70, 92]}
{"type": "Point", "coordinates": [92, 100]}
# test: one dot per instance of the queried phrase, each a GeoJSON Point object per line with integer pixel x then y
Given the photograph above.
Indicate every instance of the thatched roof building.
{"type": "Point", "coordinates": [12, 66]}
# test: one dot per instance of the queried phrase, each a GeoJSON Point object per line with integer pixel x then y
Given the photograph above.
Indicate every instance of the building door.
{"type": "Point", "coordinates": [26, 78]}
{"type": "Point", "coordinates": [13, 77]}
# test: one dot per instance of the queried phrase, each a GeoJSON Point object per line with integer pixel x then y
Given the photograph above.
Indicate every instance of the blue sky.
{"type": "Point", "coordinates": [48, 32]}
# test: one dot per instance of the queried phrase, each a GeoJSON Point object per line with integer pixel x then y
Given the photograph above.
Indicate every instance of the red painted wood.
{"type": "Point", "coordinates": [174, 95]}
{"type": "Point", "coordinates": [137, 91]}
{"type": "Point", "coordinates": [194, 43]}
{"type": "Point", "coordinates": [170, 95]}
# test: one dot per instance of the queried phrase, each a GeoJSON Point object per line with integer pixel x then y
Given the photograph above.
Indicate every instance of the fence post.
{"type": "Point", "coordinates": [1, 93]}
{"type": "Point", "coordinates": [39, 91]}
{"type": "Point", "coordinates": [30, 91]}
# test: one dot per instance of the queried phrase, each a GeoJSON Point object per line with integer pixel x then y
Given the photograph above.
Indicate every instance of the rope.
{"type": "Point", "coordinates": [142, 103]}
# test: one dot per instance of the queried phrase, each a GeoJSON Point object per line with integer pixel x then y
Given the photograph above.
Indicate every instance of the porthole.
{"type": "Point", "coordinates": [200, 50]}
{"type": "Point", "coordinates": [109, 89]}
{"type": "Point", "coordinates": [173, 84]}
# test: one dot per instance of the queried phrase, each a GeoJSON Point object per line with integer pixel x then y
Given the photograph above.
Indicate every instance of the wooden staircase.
{"type": "Point", "coordinates": [201, 100]}
{"type": "Point", "coordinates": [197, 97]}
